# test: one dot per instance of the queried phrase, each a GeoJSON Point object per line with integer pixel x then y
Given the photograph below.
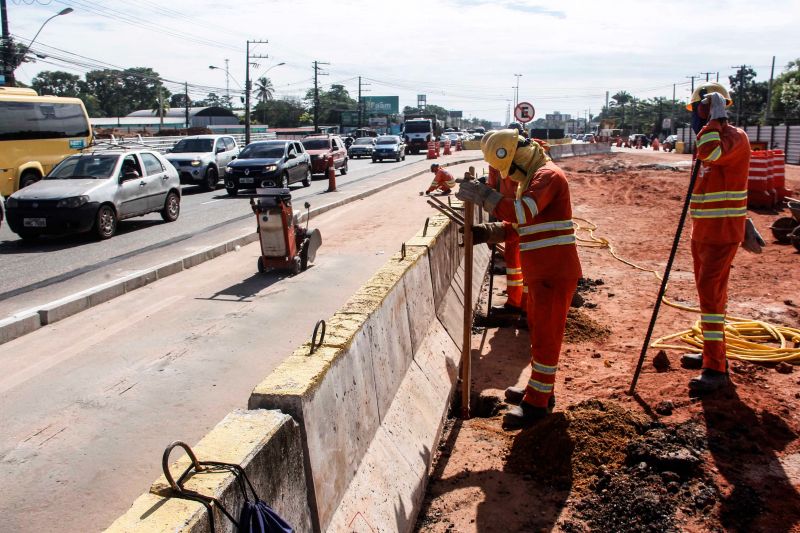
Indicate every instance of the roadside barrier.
{"type": "Point", "coordinates": [433, 151]}
{"type": "Point", "coordinates": [779, 174]}
{"type": "Point", "coordinates": [760, 193]}
{"type": "Point", "coordinates": [447, 147]}
{"type": "Point", "coordinates": [331, 177]}
{"type": "Point", "coordinates": [560, 151]}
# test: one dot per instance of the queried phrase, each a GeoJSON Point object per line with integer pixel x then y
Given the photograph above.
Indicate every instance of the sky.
{"type": "Point", "coordinates": [462, 54]}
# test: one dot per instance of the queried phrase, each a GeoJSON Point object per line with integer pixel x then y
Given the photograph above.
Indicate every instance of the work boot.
{"type": "Point", "coordinates": [523, 416]}
{"type": "Point", "coordinates": [709, 381]}
{"type": "Point", "coordinates": [514, 396]}
{"type": "Point", "coordinates": [506, 310]}
{"type": "Point", "coordinates": [692, 360]}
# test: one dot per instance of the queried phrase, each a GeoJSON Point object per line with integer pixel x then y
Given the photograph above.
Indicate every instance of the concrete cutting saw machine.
{"type": "Point", "coordinates": [285, 243]}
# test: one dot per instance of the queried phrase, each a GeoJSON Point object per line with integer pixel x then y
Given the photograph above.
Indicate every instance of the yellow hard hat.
{"type": "Point", "coordinates": [702, 90]}
{"type": "Point", "coordinates": [499, 149]}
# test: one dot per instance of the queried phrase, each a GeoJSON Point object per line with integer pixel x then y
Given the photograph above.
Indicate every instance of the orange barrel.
{"type": "Point", "coordinates": [779, 174]}
{"type": "Point", "coordinates": [758, 194]}
{"type": "Point", "coordinates": [771, 178]}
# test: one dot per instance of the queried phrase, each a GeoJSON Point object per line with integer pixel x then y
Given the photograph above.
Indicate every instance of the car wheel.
{"type": "Point", "coordinates": [284, 180]}
{"type": "Point", "coordinates": [172, 207]}
{"type": "Point", "coordinates": [212, 177]}
{"type": "Point", "coordinates": [344, 167]}
{"type": "Point", "coordinates": [29, 177]}
{"type": "Point", "coordinates": [374, 160]}
{"type": "Point", "coordinates": [232, 191]}
{"type": "Point", "coordinates": [397, 158]}
{"type": "Point", "coordinates": [105, 222]}
{"type": "Point", "coordinates": [261, 268]}
{"type": "Point", "coordinates": [307, 180]}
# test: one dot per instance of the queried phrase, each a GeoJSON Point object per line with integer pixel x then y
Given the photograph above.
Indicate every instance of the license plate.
{"type": "Point", "coordinates": [245, 180]}
{"type": "Point", "coordinates": [34, 222]}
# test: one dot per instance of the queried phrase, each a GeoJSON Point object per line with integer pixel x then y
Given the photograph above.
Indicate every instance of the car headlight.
{"type": "Point", "coordinates": [11, 202]}
{"type": "Point", "coordinates": [270, 168]}
{"type": "Point", "coordinates": [195, 163]}
{"type": "Point", "coordinates": [75, 201]}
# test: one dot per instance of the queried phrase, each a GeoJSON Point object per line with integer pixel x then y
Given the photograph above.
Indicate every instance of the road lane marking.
{"type": "Point", "coordinates": [211, 201]}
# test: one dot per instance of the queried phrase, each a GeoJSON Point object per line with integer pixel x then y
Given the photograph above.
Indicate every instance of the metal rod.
{"type": "Point", "coordinates": [675, 242]}
{"type": "Point", "coordinates": [452, 215]}
{"type": "Point", "coordinates": [466, 349]}
{"type": "Point", "coordinates": [448, 207]}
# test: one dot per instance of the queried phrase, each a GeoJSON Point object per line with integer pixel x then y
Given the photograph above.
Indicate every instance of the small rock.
{"type": "Point", "coordinates": [661, 361]}
{"type": "Point", "coordinates": [596, 355]}
{"type": "Point", "coordinates": [568, 379]}
{"type": "Point", "coordinates": [599, 281]}
{"type": "Point", "coordinates": [790, 303]}
{"type": "Point", "coordinates": [665, 408]}
{"type": "Point", "coordinates": [671, 477]}
{"type": "Point", "coordinates": [611, 294]}
{"type": "Point", "coordinates": [784, 368]}
{"type": "Point", "coordinates": [577, 300]}
{"type": "Point", "coordinates": [673, 487]}
{"type": "Point", "coordinates": [797, 395]}
{"type": "Point", "coordinates": [607, 363]}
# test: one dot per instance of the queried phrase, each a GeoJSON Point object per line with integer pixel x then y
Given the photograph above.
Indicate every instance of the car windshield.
{"type": "Point", "coordinates": [388, 140]}
{"type": "Point", "coordinates": [421, 126]}
{"type": "Point", "coordinates": [364, 140]}
{"type": "Point", "coordinates": [262, 151]}
{"type": "Point", "coordinates": [186, 146]}
{"type": "Point", "coordinates": [85, 167]}
{"type": "Point", "coordinates": [317, 144]}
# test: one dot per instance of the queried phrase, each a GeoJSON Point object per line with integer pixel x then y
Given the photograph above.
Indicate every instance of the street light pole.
{"type": "Point", "coordinates": [8, 52]}
{"type": "Point", "coordinates": [516, 91]}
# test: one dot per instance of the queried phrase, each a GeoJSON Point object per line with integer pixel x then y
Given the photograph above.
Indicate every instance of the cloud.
{"type": "Point", "coordinates": [531, 8]}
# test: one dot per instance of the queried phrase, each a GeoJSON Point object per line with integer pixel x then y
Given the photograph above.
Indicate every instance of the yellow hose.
{"type": "Point", "coordinates": [745, 339]}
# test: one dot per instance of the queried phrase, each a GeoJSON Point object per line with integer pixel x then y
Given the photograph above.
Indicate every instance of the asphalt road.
{"type": "Point", "coordinates": [89, 403]}
{"type": "Point", "coordinates": [26, 267]}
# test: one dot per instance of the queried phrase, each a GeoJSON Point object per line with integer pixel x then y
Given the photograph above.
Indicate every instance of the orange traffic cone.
{"type": "Point", "coordinates": [447, 147]}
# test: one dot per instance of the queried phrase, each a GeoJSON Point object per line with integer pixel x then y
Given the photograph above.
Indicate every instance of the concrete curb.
{"type": "Point", "coordinates": [30, 320]}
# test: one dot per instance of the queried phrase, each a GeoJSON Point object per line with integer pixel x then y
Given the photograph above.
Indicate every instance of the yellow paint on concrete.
{"type": "Point", "coordinates": [156, 514]}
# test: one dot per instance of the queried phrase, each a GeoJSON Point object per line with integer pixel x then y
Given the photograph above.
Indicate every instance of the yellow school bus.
{"type": "Point", "coordinates": [36, 132]}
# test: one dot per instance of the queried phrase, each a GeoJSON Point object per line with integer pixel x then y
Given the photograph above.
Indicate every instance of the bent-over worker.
{"type": "Point", "coordinates": [442, 180]}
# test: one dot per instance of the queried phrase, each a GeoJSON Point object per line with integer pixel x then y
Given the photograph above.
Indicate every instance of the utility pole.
{"type": "Point", "coordinates": [160, 108]}
{"type": "Point", "coordinates": [317, 73]}
{"type": "Point", "coordinates": [186, 104]}
{"type": "Point", "coordinates": [693, 78]}
{"type": "Point", "coordinates": [740, 94]}
{"type": "Point", "coordinates": [228, 83]}
{"type": "Point", "coordinates": [248, 89]}
{"type": "Point", "coordinates": [516, 91]}
{"type": "Point", "coordinates": [8, 69]}
{"type": "Point", "coordinates": [769, 93]}
{"type": "Point", "coordinates": [707, 74]}
{"type": "Point", "coordinates": [360, 102]}
{"type": "Point", "coordinates": [672, 127]}
{"type": "Point", "coordinates": [508, 113]}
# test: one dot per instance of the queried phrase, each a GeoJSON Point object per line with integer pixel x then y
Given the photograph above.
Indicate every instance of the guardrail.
{"type": "Point", "coordinates": [162, 144]}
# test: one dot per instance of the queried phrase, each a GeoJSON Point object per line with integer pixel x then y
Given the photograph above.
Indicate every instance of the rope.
{"type": "Point", "coordinates": [745, 339]}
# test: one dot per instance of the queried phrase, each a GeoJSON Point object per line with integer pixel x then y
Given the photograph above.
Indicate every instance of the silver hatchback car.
{"type": "Point", "coordinates": [94, 190]}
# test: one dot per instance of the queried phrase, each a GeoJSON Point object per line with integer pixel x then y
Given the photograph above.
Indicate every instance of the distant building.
{"type": "Point", "coordinates": [556, 119]}
{"type": "Point", "coordinates": [199, 117]}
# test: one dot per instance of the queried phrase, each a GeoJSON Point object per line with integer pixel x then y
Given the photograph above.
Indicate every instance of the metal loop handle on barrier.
{"type": "Point", "coordinates": [425, 229]}
{"type": "Point", "coordinates": [314, 343]}
{"type": "Point", "coordinates": [402, 251]}
{"type": "Point", "coordinates": [165, 463]}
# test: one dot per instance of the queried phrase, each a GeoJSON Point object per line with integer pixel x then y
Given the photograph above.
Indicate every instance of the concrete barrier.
{"type": "Point", "coordinates": [265, 443]}
{"type": "Point", "coordinates": [376, 393]}
{"type": "Point", "coordinates": [560, 151]}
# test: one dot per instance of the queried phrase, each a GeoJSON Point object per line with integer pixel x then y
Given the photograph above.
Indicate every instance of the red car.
{"type": "Point", "coordinates": [323, 149]}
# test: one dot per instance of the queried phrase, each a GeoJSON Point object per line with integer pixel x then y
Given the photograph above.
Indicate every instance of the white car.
{"type": "Point", "coordinates": [94, 190]}
{"type": "Point", "coordinates": [202, 159]}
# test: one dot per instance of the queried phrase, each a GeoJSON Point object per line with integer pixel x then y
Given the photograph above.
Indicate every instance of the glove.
{"type": "Point", "coordinates": [717, 104]}
{"type": "Point", "coordinates": [753, 242]}
{"type": "Point", "coordinates": [479, 194]}
{"type": "Point", "coordinates": [491, 233]}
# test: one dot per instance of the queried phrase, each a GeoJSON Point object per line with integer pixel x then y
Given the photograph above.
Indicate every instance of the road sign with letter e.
{"type": "Point", "coordinates": [524, 112]}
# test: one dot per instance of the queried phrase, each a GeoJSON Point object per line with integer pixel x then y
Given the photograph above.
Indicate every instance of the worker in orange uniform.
{"type": "Point", "coordinates": [719, 225]}
{"type": "Point", "coordinates": [541, 215]}
{"type": "Point", "coordinates": [515, 287]}
{"type": "Point", "coordinates": [442, 180]}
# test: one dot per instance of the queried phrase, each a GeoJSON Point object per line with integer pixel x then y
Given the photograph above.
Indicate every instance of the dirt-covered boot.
{"type": "Point", "coordinates": [709, 381]}
{"type": "Point", "coordinates": [514, 396]}
{"type": "Point", "coordinates": [692, 360]}
{"type": "Point", "coordinates": [523, 416]}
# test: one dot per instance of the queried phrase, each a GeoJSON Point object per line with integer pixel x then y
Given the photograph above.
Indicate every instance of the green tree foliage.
{"type": "Point", "coordinates": [751, 97]}
{"type": "Point", "coordinates": [785, 100]}
{"type": "Point", "coordinates": [264, 90]}
{"type": "Point", "coordinates": [120, 92]}
{"type": "Point", "coordinates": [331, 103]}
{"type": "Point", "coordinates": [635, 115]}
{"type": "Point", "coordinates": [284, 113]}
{"type": "Point", "coordinates": [178, 100]}
{"type": "Point", "coordinates": [56, 83]}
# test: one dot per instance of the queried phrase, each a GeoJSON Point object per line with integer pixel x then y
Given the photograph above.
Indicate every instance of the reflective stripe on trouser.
{"type": "Point", "coordinates": [514, 283]}
{"type": "Point", "coordinates": [547, 317]}
{"type": "Point", "coordinates": [712, 267]}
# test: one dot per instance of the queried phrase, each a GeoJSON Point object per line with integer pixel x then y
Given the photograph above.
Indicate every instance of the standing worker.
{"type": "Point", "coordinates": [515, 287]}
{"type": "Point", "coordinates": [541, 215]}
{"type": "Point", "coordinates": [719, 225]}
{"type": "Point", "coordinates": [442, 180]}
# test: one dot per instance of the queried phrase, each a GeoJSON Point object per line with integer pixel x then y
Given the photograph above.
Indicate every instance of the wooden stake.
{"type": "Point", "coordinates": [466, 350]}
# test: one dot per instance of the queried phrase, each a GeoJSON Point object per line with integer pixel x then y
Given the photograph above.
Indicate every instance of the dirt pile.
{"type": "Point", "coordinates": [582, 328]}
{"type": "Point", "coordinates": [568, 448]}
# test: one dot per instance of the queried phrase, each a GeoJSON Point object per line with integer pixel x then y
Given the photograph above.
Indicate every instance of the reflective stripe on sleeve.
{"type": "Point", "coordinates": [557, 225]}
{"type": "Point", "coordinates": [531, 205]}
{"type": "Point", "coordinates": [714, 155]}
{"type": "Point", "coordinates": [544, 243]}
{"type": "Point", "coordinates": [712, 318]}
{"type": "Point", "coordinates": [520, 212]}
{"type": "Point", "coordinates": [708, 137]}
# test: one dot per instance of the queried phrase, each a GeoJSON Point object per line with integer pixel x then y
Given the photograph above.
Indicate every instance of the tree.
{"type": "Point", "coordinates": [264, 90]}
{"type": "Point", "coordinates": [178, 100]}
{"type": "Point", "coordinates": [748, 96]}
{"type": "Point", "coordinates": [284, 113]}
{"type": "Point", "coordinates": [212, 100]}
{"type": "Point", "coordinates": [160, 105]}
{"type": "Point", "coordinates": [783, 102]}
{"type": "Point", "coordinates": [57, 83]}
{"type": "Point", "coordinates": [332, 103]}
{"type": "Point", "coordinates": [106, 85]}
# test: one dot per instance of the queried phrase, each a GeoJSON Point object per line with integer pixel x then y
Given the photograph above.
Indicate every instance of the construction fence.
{"type": "Point", "coordinates": [786, 138]}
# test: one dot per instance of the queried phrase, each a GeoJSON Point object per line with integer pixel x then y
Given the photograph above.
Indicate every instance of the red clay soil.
{"type": "Point", "coordinates": [655, 461]}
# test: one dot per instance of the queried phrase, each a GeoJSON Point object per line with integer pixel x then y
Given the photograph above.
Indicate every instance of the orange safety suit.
{"type": "Point", "coordinates": [515, 288]}
{"type": "Point", "coordinates": [442, 181]}
{"type": "Point", "coordinates": [542, 219]}
{"type": "Point", "coordinates": [718, 209]}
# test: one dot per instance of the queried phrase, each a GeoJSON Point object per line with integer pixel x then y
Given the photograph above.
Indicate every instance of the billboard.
{"type": "Point", "coordinates": [455, 114]}
{"type": "Point", "coordinates": [349, 118]}
{"type": "Point", "coordinates": [381, 105]}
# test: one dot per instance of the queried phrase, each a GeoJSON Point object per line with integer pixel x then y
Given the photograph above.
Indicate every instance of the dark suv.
{"type": "Point", "coordinates": [268, 164]}
{"type": "Point", "coordinates": [323, 149]}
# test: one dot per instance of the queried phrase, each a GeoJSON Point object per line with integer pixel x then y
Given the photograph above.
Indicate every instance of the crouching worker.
{"type": "Point", "coordinates": [442, 180]}
{"type": "Point", "coordinates": [541, 215]}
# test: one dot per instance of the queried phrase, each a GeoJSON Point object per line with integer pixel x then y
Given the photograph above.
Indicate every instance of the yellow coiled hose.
{"type": "Point", "coordinates": [745, 339]}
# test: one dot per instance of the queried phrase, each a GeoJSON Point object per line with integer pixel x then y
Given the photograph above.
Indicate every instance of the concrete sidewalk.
{"type": "Point", "coordinates": [167, 362]}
